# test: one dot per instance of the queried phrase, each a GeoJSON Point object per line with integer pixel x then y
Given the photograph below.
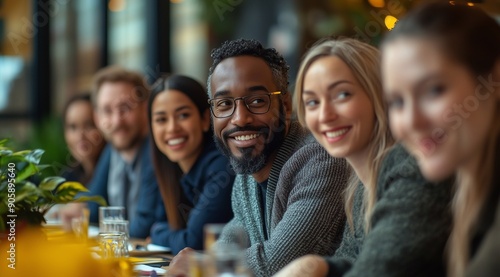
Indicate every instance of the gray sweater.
{"type": "Point", "coordinates": [304, 206]}
{"type": "Point", "coordinates": [410, 225]}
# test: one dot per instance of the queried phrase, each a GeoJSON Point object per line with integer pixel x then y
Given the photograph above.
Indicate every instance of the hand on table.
{"type": "Point", "coordinates": [70, 211]}
{"type": "Point", "coordinates": [179, 266]}
{"type": "Point", "coordinates": [309, 265]}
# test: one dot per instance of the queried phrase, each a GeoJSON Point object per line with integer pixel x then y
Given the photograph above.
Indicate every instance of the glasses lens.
{"type": "Point", "coordinates": [258, 104]}
{"type": "Point", "coordinates": [223, 107]}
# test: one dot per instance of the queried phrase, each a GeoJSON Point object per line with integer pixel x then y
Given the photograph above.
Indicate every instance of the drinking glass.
{"type": "Point", "coordinates": [113, 213]}
{"type": "Point", "coordinates": [113, 245]}
{"type": "Point", "coordinates": [80, 225]}
{"type": "Point", "coordinates": [115, 226]}
{"type": "Point", "coordinates": [225, 257]}
{"type": "Point", "coordinates": [212, 232]}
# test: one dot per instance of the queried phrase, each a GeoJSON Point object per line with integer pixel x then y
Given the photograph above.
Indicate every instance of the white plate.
{"type": "Point", "coordinates": [156, 247]}
{"type": "Point", "coordinates": [93, 231]}
{"type": "Point", "coordinates": [148, 269]}
{"type": "Point", "coordinates": [151, 249]}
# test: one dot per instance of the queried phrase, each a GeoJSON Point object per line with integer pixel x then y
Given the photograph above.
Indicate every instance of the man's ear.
{"type": "Point", "coordinates": [287, 101]}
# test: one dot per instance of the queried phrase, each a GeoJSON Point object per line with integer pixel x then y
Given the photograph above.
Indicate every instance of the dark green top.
{"type": "Point", "coordinates": [485, 245]}
{"type": "Point", "coordinates": [410, 225]}
{"type": "Point", "coordinates": [485, 261]}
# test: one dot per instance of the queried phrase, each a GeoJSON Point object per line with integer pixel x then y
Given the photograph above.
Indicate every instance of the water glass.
{"type": "Point", "coordinates": [211, 234]}
{"type": "Point", "coordinates": [113, 245]}
{"type": "Point", "coordinates": [113, 213]}
{"type": "Point", "coordinates": [80, 225]}
{"type": "Point", "coordinates": [225, 258]}
{"type": "Point", "coordinates": [199, 265]}
{"type": "Point", "coordinates": [115, 226]}
{"type": "Point", "coordinates": [78, 228]}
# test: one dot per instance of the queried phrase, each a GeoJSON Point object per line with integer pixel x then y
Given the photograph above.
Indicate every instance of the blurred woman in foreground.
{"type": "Point", "coordinates": [441, 74]}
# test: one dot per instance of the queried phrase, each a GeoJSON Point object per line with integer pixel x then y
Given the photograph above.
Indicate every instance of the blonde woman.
{"type": "Point", "coordinates": [398, 223]}
{"type": "Point", "coordinates": [442, 82]}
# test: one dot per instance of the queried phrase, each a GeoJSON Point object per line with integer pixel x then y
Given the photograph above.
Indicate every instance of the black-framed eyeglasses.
{"type": "Point", "coordinates": [255, 103]}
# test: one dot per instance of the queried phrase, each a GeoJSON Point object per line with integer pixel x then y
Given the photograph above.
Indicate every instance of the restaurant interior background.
{"type": "Point", "coordinates": [49, 49]}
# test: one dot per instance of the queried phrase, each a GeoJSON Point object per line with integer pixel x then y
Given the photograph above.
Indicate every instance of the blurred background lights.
{"type": "Point", "coordinates": [116, 5]}
{"type": "Point", "coordinates": [390, 22]}
{"type": "Point", "coordinates": [377, 3]}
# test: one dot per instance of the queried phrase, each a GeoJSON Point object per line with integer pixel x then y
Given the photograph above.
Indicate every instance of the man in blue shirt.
{"type": "Point", "coordinates": [124, 175]}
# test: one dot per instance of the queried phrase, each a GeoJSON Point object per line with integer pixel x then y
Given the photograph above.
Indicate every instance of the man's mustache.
{"type": "Point", "coordinates": [117, 129]}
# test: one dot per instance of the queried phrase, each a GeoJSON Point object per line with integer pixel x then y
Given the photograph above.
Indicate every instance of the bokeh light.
{"type": "Point", "coordinates": [390, 21]}
{"type": "Point", "coordinates": [377, 3]}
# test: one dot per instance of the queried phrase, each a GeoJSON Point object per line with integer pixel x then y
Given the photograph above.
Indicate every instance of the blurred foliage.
{"type": "Point", "coordinates": [221, 15]}
{"type": "Point", "coordinates": [351, 18]}
{"type": "Point", "coordinates": [48, 134]}
{"type": "Point", "coordinates": [361, 19]}
{"type": "Point", "coordinates": [22, 196]}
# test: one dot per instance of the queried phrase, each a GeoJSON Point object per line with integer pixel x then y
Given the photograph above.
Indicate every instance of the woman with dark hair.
{"type": "Point", "coordinates": [441, 75]}
{"type": "Point", "coordinates": [83, 139]}
{"type": "Point", "coordinates": [194, 178]}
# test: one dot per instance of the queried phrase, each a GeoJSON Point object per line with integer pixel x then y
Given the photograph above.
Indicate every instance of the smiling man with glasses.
{"type": "Point", "coordinates": [287, 195]}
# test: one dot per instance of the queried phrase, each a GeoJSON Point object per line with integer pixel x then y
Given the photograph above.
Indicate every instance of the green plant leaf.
{"type": "Point", "coordinates": [67, 191]}
{"type": "Point", "coordinates": [47, 197]}
{"type": "Point", "coordinates": [51, 183]}
{"type": "Point", "coordinates": [3, 207]}
{"type": "Point", "coordinates": [34, 156]}
{"type": "Point", "coordinates": [75, 186]}
{"type": "Point", "coordinates": [95, 198]}
{"type": "Point", "coordinates": [5, 152]}
{"type": "Point", "coordinates": [33, 199]}
{"type": "Point", "coordinates": [25, 171]}
{"type": "Point", "coordinates": [6, 159]}
{"type": "Point", "coordinates": [42, 166]}
{"type": "Point", "coordinates": [22, 153]}
{"type": "Point", "coordinates": [3, 188]}
{"type": "Point", "coordinates": [27, 190]}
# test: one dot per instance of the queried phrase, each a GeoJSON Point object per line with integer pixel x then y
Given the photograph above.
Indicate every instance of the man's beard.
{"type": "Point", "coordinates": [125, 143]}
{"type": "Point", "coordinates": [248, 164]}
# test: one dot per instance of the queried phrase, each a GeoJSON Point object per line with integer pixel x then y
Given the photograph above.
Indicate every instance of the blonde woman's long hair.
{"type": "Point", "coordinates": [470, 37]}
{"type": "Point", "coordinates": [364, 62]}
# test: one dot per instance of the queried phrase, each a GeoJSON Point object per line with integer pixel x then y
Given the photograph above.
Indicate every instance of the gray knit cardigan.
{"type": "Point", "coordinates": [410, 225]}
{"type": "Point", "coordinates": [304, 205]}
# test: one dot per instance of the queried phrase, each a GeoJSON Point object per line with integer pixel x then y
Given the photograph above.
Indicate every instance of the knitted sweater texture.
{"type": "Point", "coordinates": [410, 225]}
{"type": "Point", "coordinates": [304, 206]}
